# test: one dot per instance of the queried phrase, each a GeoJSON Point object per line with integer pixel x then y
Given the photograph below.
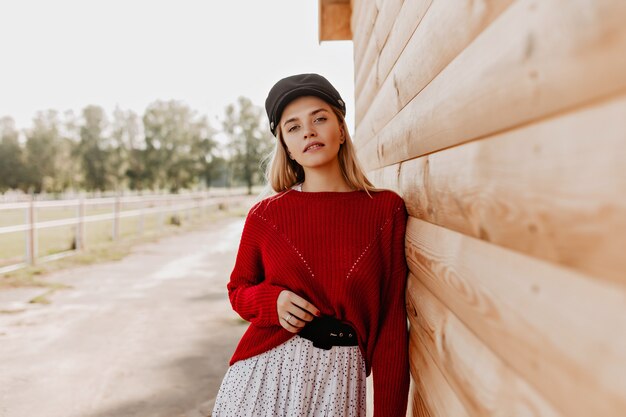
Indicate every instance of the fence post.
{"type": "Point", "coordinates": [80, 224]}
{"type": "Point", "coordinates": [161, 225]}
{"type": "Point", "coordinates": [116, 218]}
{"type": "Point", "coordinates": [31, 233]}
{"type": "Point", "coordinates": [184, 212]}
{"type": "Point", "coordinates": [140, 220]}
{"type": "Point", "coordinates": [199, 202]}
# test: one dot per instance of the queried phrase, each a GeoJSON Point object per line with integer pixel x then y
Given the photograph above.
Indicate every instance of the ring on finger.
{"type": "Point", "coordinates": [289, 318]}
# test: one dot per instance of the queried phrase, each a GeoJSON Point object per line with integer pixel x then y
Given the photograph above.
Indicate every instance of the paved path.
{"type": "Point", "coordinates": [149, 335]}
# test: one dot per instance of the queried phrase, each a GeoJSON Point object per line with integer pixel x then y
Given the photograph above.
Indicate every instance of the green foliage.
{"type": "Point", "coordinates": [249, 141]}
{"type": "Point", "coordinates": [177, 145]}
{"type": "Point", "coordinates": [125, 159]}
{"type": "Point", "coordinates": [169, 147]}
{"type": "Point", "coordinates": [92, 149]}
{"type": "Point", "coordinates": [43, 147]}
{"type": "Point", "coordinates": [12, 169]}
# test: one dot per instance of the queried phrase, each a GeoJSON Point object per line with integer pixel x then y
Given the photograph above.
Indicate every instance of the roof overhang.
{"type": "Point", "coordinates": [334, 20]}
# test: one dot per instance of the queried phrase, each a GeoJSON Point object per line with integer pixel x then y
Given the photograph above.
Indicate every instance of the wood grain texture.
{"type": "Point", "coordinates": [485, 385]}
{"type": "Point", "coordinates": [387, 14]}
{"type": "Point", "coordinates": [369, 82]}
{"type": "Point", "coordinates": [362, 28]}
{"type": "Point", "coordinates": [563, 332]}
{"type": "Point", "coordinates": [334, 20]}
{"type": "Point", "coordinates": [550, 58]}
{"type": "Point", "coordinates": [436, 398]}
{"type": "Point", "coordinates": [446, 30]}
{"type": "Point", "coordinates": [357, 9]}
{"type": "Point", "coordinates": [418, 406]}
{"type": "Point", "coordinates": [555, 190]}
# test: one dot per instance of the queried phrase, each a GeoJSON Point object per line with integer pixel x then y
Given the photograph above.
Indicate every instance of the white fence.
{"type": "Point", "coordinates": [147, 205]}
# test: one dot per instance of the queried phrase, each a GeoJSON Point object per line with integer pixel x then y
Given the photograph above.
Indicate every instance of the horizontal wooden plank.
{"type": "Point", "coordinates": [444, 32]}
{"type": "Point", "coordinates": [437, 396]}
{"type": "Point", "coordinates": [550, 59]}
{"type": "Point", "coordinates": [417, 406]}
{"type": "Point", "coordinates": [410, 16]}
{"type": "Point", "coordinates": [555, 190]}
{"type": "Point", "coordinates": [362, 28]}
{"type": "Point", "coordinates": [387, 11]}
{"type": "Point", "coordinates": [483, 382]}
{"type": "Point", "coordinates": [563, 332]}
{"type": "Point", "coordinates": [357, 9]}
{"type": "Point", "coordinates": [363, 97]}
{"type": "Point", "coordinates": [369, 82]}
{"type": "Point", "coordinates": [387, 14]}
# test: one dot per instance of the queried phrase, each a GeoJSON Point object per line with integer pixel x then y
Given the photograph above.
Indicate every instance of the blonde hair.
{"type": "Point", "coordinates": [283, 172]}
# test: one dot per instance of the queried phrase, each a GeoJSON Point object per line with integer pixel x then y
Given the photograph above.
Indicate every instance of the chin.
{"type": "Point", "coordinates": [320, 162]}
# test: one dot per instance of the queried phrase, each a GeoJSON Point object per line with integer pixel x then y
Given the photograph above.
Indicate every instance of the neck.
{"type": "Point", "coordinates": [318, 180]}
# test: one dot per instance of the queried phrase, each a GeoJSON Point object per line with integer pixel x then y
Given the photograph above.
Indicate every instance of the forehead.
{"type": "Point", "coordinates": [302, 106]}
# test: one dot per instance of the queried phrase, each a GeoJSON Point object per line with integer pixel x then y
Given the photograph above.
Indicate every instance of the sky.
{"type": "Point", "coordinates": [67, 54]}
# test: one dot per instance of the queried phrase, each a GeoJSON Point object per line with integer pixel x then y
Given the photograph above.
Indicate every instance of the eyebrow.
{"type": "Point", "coordinates": [293, 119]}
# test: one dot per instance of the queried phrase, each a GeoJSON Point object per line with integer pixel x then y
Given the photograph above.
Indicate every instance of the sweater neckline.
{"type": "Point", "coordinates": [316, 195]}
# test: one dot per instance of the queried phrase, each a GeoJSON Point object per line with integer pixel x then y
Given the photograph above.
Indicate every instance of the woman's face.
{"type": "Point", "coordinates": [308, 120]}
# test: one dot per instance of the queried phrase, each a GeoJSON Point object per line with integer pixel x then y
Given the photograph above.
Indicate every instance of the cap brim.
{"type": "Point", "coordinates": [290, 96]}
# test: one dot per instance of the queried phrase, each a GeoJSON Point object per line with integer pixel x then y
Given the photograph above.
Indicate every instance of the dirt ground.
{"type": "Point", "coordinates": [150, 335]}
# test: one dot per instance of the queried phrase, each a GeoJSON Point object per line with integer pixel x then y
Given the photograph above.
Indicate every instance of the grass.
{"type": "Point", "coordinates": [42, 298]}
{"type": "Point", "coordinates": [60, 239]}
{"type": "Point", "coordinates": [99, 245]}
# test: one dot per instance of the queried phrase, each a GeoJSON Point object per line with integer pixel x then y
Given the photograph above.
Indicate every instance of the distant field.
{"type": "Point", "coordinates": [60, 239]}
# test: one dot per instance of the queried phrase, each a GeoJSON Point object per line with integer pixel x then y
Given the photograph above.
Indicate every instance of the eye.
{"type": "Point", "coordinates": [321, 119]}
{"type": "Point", "coordinates": [292, 128]}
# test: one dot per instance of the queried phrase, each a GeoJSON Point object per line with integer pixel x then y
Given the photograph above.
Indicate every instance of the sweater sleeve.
{"type": "Point", "coordinates": [390, 361]}
{"type": "Point", "coordinates": [253, 298]}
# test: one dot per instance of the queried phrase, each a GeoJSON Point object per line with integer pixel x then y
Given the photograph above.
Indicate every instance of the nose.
{"type": "Point", "coordinates": [309, 131]}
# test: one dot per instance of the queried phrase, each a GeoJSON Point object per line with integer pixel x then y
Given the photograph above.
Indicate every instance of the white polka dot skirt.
{"type": "Point", "coordinates": [295, 379]}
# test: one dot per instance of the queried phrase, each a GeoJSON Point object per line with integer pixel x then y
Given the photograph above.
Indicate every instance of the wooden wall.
{"type": "Point", "coordinates": [503, 125]}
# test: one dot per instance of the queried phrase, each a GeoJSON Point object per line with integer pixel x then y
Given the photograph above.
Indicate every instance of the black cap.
{"type": "Point", "coordinates": [290, 88]}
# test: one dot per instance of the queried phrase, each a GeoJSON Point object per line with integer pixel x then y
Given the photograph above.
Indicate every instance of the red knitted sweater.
{"type": "Point", "coordinates": [343, 252]}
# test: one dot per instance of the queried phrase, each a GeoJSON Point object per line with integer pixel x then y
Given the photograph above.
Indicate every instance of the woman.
{"type": "Point", "coordinates": [320, 274]}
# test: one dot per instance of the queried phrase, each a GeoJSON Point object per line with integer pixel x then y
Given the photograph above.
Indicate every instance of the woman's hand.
{"type": "Point", "coordinates": [294, 312]}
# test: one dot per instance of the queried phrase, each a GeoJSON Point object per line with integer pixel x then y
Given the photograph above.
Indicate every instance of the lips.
{"type": "Point", "coordinates": [312, 144]}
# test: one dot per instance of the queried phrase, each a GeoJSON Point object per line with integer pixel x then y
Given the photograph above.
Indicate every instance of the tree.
{"type": "Point", "coordinates": [69, 173]}
{"type": "Point", "coordinates": [43, 141]}
{"type": "Point", "coordinates": [92, 149]}
{"type": "Point", "coordinates": [171, 147]}
{"type": "Point", "coordinates": [178, 145]}
{"type": "Point", "coordinates": [126, 165]}
{"type": "Point", "coordinates": [249, 143]}
{"type": "Point", "coordinates": [204, 148]}
{"type": "Point", "coordinates": [12, 169]}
